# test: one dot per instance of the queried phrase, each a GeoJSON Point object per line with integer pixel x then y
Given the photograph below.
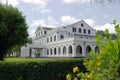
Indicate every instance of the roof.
{"type": "Point", "coordinates": [43, 27]}
{"type": "Point", "coordinates": [79, 22]}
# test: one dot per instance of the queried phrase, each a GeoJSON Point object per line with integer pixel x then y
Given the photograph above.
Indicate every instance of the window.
{"type": "Point", "coordinates": [45, 32]}
{"type": "Point", "coordinates": [47, 40]}
{"type": "Point", "coordinates": [79, 30]}
{"type": "Point", "coordinates": [51, 51]}
{"type": "Point", "coordinates": [47, 52]}
{"type": "Point", "coordinates": [79, 49]}
{"type": "Point", "coordinates": [50, 39]}
{"type": "Point", "coordinates": [82, 25]}
{"type": "Point", "coordinates": [88, 31]}
{"type": "Point", "coordinates": [61, 36]}
{"type": "Point", "coordinates": [74, 29]}
{"type": "Point", "coordinates": [64, 50]}
{"type": "Point", "coordinates": [54, 38]}
{"type": "Point", "coordinates": [84, 30]}
{"type": "Point", "coordinates": [70, 49]}
{"type": "Point", "coordinates": [54, 51]}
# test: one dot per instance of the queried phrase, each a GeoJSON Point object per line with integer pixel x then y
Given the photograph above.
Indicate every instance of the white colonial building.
{"type": "Point", "coordinates": [74, 40]}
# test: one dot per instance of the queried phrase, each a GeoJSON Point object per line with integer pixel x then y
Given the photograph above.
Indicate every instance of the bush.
{"type": "Point", "coordinates": [37, 70]}
{"type": "Point", "coordinates": [104, 65]}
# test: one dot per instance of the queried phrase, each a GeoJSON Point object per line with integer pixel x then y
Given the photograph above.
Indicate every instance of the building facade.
{"type": "Point", "coordinates": [75, 40]}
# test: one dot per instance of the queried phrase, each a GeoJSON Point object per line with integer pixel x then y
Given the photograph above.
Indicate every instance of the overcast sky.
{"type": "Point", "coordinates": [56, 13]}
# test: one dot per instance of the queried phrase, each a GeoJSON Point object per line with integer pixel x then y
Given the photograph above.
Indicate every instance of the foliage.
{"type": "Point", "coordinates": [102, 33]}
{"type": "Point", "coordinates": [106, 64]}
{"type": "Point", "coordinates": [37, 69]}
{"type": "Point", "coordinates": [13, 29]}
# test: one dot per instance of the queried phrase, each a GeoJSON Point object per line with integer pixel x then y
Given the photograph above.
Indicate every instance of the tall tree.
{"type": "Point", "coordinates": [13, 29]}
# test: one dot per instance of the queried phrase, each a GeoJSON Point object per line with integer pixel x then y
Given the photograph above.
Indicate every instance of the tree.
{"type": "Point", "coordinates": [13, 29]}
{"type": "Point", "coordinates": [113, 35]}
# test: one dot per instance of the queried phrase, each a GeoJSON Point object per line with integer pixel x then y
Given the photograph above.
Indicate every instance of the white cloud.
{"type": "Point", "coordinates": [37, 2]}
{"type": "Point", "coordinates": [45, 11]}
{"type": "Point", "coordinates": [68, 19]}
{"type": "Point", "coordinates": [76, 1]}
{"type": "Point", "coordinates": [38, 22]}
{"type": "Point", "coordinates": [52, 21]}
{"type": "Point", "coordinates": [108, 26]}
{"type": "Point", "coordinates": [41, 10]}
{"type": "Point", "coordinates": [90, 22]}
{"type": "Point", "coordinates": [106, 16]}
{"type": "Point", "coordinates": [41, 22]}
{"type": "Point", "coordinates": [12, 2]}
{"type": "Point", "coordinates": [49, 21]}
{"type": "Point", "coordinates": [40, 5]}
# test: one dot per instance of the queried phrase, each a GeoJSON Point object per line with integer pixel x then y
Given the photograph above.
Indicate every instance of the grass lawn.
{"type": "Point", "coordinates": [39, 59]}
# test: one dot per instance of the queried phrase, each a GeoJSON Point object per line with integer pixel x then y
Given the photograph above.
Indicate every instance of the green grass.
{"type": "Point", "coordinates": [39, 59]}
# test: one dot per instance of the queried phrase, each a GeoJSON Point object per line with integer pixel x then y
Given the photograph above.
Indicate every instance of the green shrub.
{"type": "Point", "coordinates": [37, 70]}
{"type": "Point", "coordinates": [104, 65]}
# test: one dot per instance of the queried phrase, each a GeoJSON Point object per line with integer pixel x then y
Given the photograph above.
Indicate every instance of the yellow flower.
{"type": "Point", "coordinates": [98, 57]}
{"type": "Point", "coordinates": [67, 76]}
{"type": "Point", "coordinates": [88, 76]}
{"type": "Point", "coordinates": [98, 63]}
{"type": "Point", "coordinates": [75, 69]}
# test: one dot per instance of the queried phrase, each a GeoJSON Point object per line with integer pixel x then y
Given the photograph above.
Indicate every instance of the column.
{"type": "Point", "coordinates": [67, 52]}
{"type": "Point", "coordinates": [84, 49]}
{"type": "Point", "coordinates": [74, 50]}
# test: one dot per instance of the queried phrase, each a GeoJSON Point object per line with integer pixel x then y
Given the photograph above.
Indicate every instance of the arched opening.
{"type": "Point", "coordinates": [88, 49]}
{"type": "Point", "coordinates": [70, 49]}
{"type": "Point", "coordinates": [97, 49]}
{"type": "Point", "coordinates": [79, 49]}
{"type": "Point", "coordinates": [50, 51]}
{"type": "Point", "coordinates": [64, 50]}
{"type": "Point", "coordinates": [54, 51]}
{"type": "Point", "coordinates": [59, 50]}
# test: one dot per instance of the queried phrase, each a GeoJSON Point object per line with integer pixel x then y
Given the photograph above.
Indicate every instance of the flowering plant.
{"type": "Point", "coordinates": [105, 64]}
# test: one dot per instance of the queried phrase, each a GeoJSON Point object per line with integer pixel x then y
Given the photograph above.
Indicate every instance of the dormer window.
{"type": "Point", "coordinates": [82, 25]}
{"type": "Point", "coordinates": [85, 31]}
{"type": "Point", "coordinates": [45, 32]}
{"type": "Point", "coordinates": [89, 32]}
{"type": "Point", "coordinates": [74, 29]}
{"type": "Point", "coordinates": [79, 30]}
{"type": "Point", "coordinates": [61, 36]}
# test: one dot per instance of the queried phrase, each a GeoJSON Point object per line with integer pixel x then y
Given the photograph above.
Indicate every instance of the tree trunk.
{"type": "Point", "coordinates": [2, 55]}
{"type": "Point", "coordinates": [2, 52]}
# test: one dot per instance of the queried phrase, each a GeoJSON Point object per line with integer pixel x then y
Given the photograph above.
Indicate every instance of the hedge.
{"type": "Point", "coordinates": [48, 70]}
